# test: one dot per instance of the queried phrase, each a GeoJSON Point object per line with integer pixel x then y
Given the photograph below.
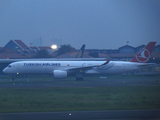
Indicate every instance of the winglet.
{"type": "Point", "coordinates": [80, 52]}
{"type": "Point", "coordinates": [144, 55]}
{"type": "Point", "coordinates": [107, 61]}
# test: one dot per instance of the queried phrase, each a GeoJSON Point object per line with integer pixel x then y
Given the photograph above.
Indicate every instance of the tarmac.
{"type": "Point", "coordinates": [85, 83]}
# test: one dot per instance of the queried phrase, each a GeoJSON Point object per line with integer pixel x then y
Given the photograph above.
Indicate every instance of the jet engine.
{"type": "Point", "coordinates": [60, 74]}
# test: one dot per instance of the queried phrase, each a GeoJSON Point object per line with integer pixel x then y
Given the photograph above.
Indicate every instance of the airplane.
{"type": "Point", "coordinates": [63, 69]}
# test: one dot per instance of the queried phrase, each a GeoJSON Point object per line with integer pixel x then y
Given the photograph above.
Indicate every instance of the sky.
{"type": "Point", "coordinates": [100, 24]}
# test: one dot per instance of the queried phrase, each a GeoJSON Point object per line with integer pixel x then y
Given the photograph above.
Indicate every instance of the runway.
{"type": "Point", "coordinates": [85, 115]}
{"type": "Point", "coordinates": [85, 83]}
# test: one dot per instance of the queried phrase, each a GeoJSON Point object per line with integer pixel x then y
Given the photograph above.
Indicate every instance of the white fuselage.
{"type": "Point", "coordinates": [47, 67]}
{"type": "Point", "coordinates": [88, 67]}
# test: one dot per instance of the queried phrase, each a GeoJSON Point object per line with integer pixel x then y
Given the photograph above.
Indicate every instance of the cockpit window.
{"type": "Point", "coordinates": [9, 66]}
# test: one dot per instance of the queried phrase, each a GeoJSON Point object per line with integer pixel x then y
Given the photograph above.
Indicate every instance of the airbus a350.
{"type": "Point", "coordinates": [62, 69]}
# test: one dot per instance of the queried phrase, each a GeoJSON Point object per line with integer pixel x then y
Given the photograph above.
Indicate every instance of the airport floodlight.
{"type": "Point", "coordinates": [54, 47]}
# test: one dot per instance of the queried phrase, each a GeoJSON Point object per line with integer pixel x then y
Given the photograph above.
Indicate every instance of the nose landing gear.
{"type": "Point", "coordinates": [12, 78]}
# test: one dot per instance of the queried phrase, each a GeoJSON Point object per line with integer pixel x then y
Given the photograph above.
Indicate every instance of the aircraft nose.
{"type": "Point", "coordinates": [5, 70]}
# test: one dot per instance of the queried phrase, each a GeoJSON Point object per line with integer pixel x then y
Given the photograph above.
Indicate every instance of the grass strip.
{"type": "Point", "coordinates": [76, 99]}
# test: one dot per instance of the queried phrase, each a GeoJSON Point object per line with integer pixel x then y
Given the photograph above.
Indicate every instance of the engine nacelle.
{"type": "Point", "coordinates": [59, 74]}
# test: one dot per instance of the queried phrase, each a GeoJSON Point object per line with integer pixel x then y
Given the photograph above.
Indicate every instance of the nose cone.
{"type": "Point", "coordinates": [5, 70]}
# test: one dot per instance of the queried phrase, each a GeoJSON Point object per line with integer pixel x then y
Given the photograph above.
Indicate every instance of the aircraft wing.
{"type": "Point", "coordinates": [84, 68]}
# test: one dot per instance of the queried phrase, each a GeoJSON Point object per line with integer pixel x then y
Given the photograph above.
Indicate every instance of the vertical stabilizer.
{"type": "Point", "coordinates": [80, 52]}
{"type": "Point", "coordinates": [144, 55]}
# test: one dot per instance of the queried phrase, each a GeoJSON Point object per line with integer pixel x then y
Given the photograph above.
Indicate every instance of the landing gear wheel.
{"type": "Point", "coordinates": [79, 79]}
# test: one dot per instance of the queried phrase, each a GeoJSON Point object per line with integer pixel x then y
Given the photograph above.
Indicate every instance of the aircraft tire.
{"type": "Point", "coordinates": [79, 79]}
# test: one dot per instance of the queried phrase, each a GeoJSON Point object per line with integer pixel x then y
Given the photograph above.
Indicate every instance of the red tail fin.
{"type": "Point", "coordinates": [144, 55]}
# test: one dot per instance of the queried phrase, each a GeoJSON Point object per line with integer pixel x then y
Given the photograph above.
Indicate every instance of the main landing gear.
{"type": "Point", "coordinates": [79, 79]}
